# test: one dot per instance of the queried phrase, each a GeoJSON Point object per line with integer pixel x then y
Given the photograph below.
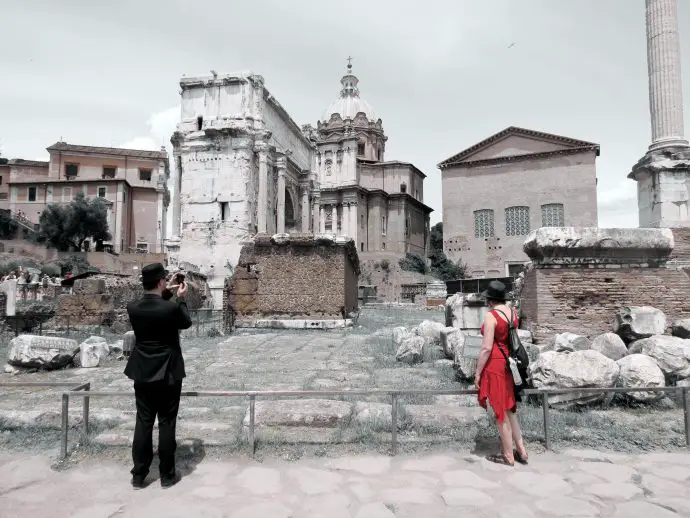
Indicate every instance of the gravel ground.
{"type": "Point", "coordinates": [362, 357]}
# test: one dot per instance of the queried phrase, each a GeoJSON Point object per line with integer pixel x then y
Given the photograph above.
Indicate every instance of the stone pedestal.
{"type": "Point", "coordinates": [581, 277]}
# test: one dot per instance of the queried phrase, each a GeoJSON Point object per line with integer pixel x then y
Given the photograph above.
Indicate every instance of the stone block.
{"type": "Point", "coordinates": [579, 369]}
{"type": "Point", "coordinates": [93, 351]}
{"type": "Point", "coordinates": [672, 354]}
{"type": "Point", "coordinates": [42, 352]}
{"type": "Point", "coordinates": [633, 323]}
{"type": "Point", "coordinates": [610, 345]}
{"type": "Point", "coordinates": [593, 245]}
{"type": "Point", "coordinates": [89, 286]}
{"type": "Point", "coordinates": [638, 370]}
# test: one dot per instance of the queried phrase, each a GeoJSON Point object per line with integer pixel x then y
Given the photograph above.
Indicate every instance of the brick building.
{"type": "Point", "coordinates": [133, 183]}
{"type": "Point", "coordinates": [497, 191]}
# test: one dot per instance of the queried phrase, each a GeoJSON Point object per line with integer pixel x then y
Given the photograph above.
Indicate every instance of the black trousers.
{"type": "Point", "coordinates": [162, 399]}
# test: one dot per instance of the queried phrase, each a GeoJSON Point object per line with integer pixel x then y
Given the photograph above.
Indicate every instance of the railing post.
{"type": "Point", "coordinates": [252, 414]}
{"type": "Point", "coordinates": [394, 424]}
{"type": "Point", "coordinates": [65, 425]}
{"type": "Point", "coordinates": [545, 410]}
{"type": "Point", "coordinates": [686, 409]}
{"type": "Point", "coordinates": [85, 420]}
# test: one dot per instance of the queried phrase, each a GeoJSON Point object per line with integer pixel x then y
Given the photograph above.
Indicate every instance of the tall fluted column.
{"type": "Point", "coordinates": [305, 208]}
{"type": "Point", "coordinates": [353, 221]}
{"type": "Point", "coordinates": [261, 148]}
{"type": "Point", "coordinates": [281, 165]}
{"type": "Point", "coordinates": [665, 80]}
{"type": "Point", "coordinates": [346, 219]}
{"type": "Point", "coordinates": [316, 223]}
{"type": "Point", "coordinates": [177, 197]}
{"type": "Point", "coordinates": [322, 219]}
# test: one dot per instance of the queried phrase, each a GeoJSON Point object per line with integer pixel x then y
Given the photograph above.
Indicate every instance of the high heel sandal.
{"type": "Point", "coordinates": [519, 458]}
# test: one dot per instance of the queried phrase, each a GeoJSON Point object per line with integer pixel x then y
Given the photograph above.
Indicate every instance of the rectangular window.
{"type": "Point", "coordinates": [109, 172]}
{"type": "Point", "coordinates": [32, 193]}
{"type": "Point", "coordinates": [361, 220]}
{"type": "Point", "coordinates": [102, 191]}
{"type": "Point", "coordinates": [3, 195]}
{"type": "Point", "coordinates": [0, 180]}
{"type": "Point", "coordinates": [143, 248]}
{"type": "Point", "coordinates": [223, 210]}
{"type": "Point", "coordinates": [71, 170]}
{"type": "Point", "coordinates": [145, 175]}
{"type": "Point", "coordinates": [552, 215]}
{"type": "Point", "coordinates": [517, 221]}
{"type": "Point", "coordinates": [360, 148]}
{"type": "Point", "coordinates": [383, 225]}
{"type": "Point", "coordinates": [483, 223]}
{"type": "Point", "coordinates": [66, 194]}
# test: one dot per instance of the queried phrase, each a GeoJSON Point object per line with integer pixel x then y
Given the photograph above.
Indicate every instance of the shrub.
{"type": "Point", "coordinates": [413, 263]}
{"type": "Point", "coordinates": [51, 269]}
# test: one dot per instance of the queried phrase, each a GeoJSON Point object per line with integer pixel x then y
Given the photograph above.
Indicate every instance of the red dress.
{"type": "Point", "coordinates": [496, 383]}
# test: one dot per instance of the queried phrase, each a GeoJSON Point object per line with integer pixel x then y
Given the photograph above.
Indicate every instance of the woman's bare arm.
{"type": "Point", "coordinates": [487, 345]}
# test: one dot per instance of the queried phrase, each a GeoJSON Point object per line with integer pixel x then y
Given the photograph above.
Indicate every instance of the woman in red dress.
{"type": "Point", "coordinates": [493, 378]}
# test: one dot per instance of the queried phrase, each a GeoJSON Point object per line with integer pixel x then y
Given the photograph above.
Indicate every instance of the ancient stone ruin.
{"type": "Point", "coordinates": [580, 276]}
{"type": "Point", "coordinates": [293, 280]}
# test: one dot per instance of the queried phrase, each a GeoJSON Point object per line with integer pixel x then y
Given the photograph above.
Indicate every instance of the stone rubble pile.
{"type": "Point", "coordinates": [636, 353]}
{"type": "Point", "coordinates": [35, 352]}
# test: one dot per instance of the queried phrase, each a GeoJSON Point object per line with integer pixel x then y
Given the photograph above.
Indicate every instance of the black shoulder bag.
{"type": "Point", "coordinates": [517, 354]}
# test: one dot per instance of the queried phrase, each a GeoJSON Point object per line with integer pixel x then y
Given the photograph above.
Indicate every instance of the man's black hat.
{"type": "Point", "coordinates": [153, 272]}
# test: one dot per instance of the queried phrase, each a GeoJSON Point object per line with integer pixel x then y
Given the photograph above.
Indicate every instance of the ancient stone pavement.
{"type": "Point", "coordinates": [569, 484]}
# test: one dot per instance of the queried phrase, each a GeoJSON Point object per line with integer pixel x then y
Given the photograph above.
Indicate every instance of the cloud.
{"type": "Point", "coordinates": [161, 127]}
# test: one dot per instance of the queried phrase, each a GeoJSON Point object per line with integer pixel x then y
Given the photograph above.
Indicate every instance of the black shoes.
{"type": "Point", "coordinates": [167, 482]}
{"type": "Point", "coordinates": [139, 482]}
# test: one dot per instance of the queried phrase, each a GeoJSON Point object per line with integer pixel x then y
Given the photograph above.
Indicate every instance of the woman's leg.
{"type": "Point", "coordinates": [517, 434]}
{"type": "Point", "coordinates": [505, 433]}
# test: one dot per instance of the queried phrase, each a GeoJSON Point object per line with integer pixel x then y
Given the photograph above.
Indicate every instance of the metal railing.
{"type": "Point", "coordinates": [83, 391]}
{"type": "Point", "coordinates": [393, 394]}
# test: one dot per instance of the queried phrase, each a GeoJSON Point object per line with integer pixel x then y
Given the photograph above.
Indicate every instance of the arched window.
{"type": "Point", "coordinates": [517, 221]}
{"type": "Point", "coordinates": [403, 188]}
{"type": "Point", "coordinates": [552, 215]}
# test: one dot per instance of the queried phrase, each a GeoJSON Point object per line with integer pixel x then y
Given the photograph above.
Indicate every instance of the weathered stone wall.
{"type": "Point", "coordinates": [583, 300]}
{"type": "Point", "coordinates": [582, 276]}
{"type": "Point", "coordinates": [300, 276]}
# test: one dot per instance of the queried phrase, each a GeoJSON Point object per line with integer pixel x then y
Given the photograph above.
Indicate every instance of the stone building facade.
{"type": "Point", "coordinates": [132, 182]}
{"type": "Point", "coordinates": [244, 167]}
{"type": "Point", "coordinates": [499, 190]}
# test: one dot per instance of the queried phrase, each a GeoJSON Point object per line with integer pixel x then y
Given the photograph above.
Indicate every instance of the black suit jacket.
{"type": "Point", "coordinates": [156, 354]}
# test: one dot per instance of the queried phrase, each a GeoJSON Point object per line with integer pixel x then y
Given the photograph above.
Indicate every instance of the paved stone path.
{"type": "Point", "coordinates": [570, 484]}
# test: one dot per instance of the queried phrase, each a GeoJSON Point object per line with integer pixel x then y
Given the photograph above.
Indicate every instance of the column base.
{"type": "Point", "coordinates": [663, 188]}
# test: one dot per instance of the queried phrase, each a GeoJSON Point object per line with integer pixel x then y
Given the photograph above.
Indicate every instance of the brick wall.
{"type": "Point", "coordinates": [584, 300]}
{"type": "Point", "coordinates": [681, 247]}
{"type": "Point", "coordinates": [303, 278]}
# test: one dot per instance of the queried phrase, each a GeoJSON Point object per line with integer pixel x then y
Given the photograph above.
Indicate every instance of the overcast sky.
{"type": "Point", "coordinates": [442, 74]}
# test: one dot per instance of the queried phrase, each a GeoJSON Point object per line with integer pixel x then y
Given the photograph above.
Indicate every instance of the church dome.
{"type": "Point", "coordinates": [349, 104]}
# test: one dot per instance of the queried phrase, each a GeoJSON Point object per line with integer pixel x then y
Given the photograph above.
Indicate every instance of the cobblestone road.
{"type": "Point", "coordinates": [572, 483]}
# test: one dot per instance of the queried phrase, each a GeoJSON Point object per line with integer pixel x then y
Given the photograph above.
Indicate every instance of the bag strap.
{"type": "Point", "coordinates": [511, 325]}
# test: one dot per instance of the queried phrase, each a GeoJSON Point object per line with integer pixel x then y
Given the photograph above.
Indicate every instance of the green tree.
{"type": "Point", "coordinates": [8, 227]}
{"type": "Point", "coordinates": [441, 266]}
{"type": "Point", "coordinates": [68, 226]}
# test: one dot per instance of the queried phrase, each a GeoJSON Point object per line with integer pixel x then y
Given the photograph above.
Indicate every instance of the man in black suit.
{"type": "Point", "coordinates": [157, 368]}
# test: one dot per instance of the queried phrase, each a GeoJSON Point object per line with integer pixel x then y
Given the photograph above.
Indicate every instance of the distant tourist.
{"type": "Point", "coordinates": [493, 378]}
{"type": "Point", "coordinates": [157, 368]}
